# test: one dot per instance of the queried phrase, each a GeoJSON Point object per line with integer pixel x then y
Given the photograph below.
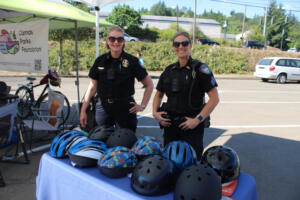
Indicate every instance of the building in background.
{"type": "Point", "coordinates": [209, 27]}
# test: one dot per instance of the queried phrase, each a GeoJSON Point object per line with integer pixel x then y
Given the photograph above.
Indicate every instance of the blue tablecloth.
{"type": "Point", "coordinates": [58, 180]}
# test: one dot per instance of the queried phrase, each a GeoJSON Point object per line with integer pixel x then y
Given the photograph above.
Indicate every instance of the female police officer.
{"type": "Point", "coordinates": [185, 84]}
{"type": "Point", "coordinates": [112, 76]}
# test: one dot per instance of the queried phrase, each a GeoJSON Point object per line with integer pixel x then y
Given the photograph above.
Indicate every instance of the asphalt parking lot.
{"type": "Point", "coordinates": [259, 120]}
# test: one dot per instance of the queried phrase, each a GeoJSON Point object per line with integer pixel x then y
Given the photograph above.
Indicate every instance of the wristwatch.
{"type": "Point", "coordinates": [200, 118]}
{"type": "Point", "coordinates": [143, 106]}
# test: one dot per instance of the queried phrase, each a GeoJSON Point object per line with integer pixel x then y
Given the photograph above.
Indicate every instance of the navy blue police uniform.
{"type": "Point", "coordinates": [185, 88]}
{"type": "Point", "coordinates": [116, 77]}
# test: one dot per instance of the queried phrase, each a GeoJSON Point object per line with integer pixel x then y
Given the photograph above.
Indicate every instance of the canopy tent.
{"type": "Point", "coordinates": [61, 14]}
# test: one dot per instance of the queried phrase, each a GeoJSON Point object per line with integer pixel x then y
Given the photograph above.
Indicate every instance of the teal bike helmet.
{"type": "Point", "coordinates": [117, 162]}
{"type": "Point", "coordinates": [146, 146]}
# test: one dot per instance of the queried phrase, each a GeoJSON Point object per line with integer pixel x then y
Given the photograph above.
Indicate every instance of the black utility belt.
{"type": "Point", "coordinates": [114, 100]}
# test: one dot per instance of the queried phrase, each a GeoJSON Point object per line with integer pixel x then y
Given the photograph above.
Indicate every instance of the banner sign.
{"type": "Point", "coordinates": [24, 46]}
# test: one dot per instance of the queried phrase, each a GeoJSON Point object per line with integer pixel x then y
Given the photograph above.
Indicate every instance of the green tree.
{"type": "Point", "coordinates": [124, 16]}
{"type": "Point", "coordinates": [160, 9]}
{"type": "Point", "coordinates": [277, 26]}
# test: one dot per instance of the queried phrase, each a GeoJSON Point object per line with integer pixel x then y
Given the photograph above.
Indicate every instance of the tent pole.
{"type": "Point", "coordinates": [97, 9]}
{"type": "Point", "coordinates": [77, 70]}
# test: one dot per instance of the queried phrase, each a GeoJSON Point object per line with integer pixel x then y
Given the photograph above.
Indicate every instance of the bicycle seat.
{"type": "Point", "coordinates": [31, 79]}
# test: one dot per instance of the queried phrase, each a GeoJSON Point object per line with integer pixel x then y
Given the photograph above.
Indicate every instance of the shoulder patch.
{"type": "Point", "coordinates": [204, 69]}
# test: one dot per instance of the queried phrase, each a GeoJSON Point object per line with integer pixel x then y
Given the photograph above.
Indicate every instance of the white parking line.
{"type": "Point", "coordinates": [237, 127]}
{"type": "Point", "coordinates": [141, 116]}
{"type": "Point", "coordinates": [261, 91]}
{"type": "Point", "coordinates": [261, 102]}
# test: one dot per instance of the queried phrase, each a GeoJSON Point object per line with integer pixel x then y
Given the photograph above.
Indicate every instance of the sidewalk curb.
{"type": "Point", "coordinates": [153, 74]}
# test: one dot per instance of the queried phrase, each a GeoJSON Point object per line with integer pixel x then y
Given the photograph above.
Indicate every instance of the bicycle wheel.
{"type": "Point", "coordinates": [25, 101]}
{"type": "Point", "coordinates": [43, 103]}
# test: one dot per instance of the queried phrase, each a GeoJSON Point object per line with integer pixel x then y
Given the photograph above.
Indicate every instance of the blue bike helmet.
{"type": "Point", "coordinates": [146, 146]}
{"type": "Point", "coordinates": [117, 162]}
{"type": "Point", "coordinates": [155, 175]}
{"type": "Point", "coordinates": [198, 182]}
{"type": "Point", "coordinates": [181, 153]}
{"type": "Point", "coordinates": [224, 161]}
{"type": "Point", "coordinates": [62, 142]}
{"type": "Point", "coordinates": [121, 137]}
{"type": "Point", "coordinates": [86, 153]}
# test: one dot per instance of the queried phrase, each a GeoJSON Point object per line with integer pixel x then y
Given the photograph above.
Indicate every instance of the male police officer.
{"type": "Point", "coordinates": [112, 76]}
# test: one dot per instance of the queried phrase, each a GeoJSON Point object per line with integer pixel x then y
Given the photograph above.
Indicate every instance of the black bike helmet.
{"type": "Point", "coordinates": [153, 176]}
{"type": "Point", "coordinates": [121, 137]}
{"type": "Point", "coordinates": [86, 153]}
{"type": "Point", "coordinates": [181, 153]}
{"type": "Point", "coordinates": [117, 162]}
{"type": "Point", "coordinates": [198, 182]}
{"type": "Point", "coordinates": [101, 133]}
{"type": "Point", "coordinates": [224, 161]}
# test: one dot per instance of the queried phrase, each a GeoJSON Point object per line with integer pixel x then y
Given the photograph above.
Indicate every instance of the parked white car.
{"type": "Point", "coordinates": [130, 38]}
{"type": "Point", "coordinates": [293, 50]}
{"type": "Point", "coordinates": [278, 68]}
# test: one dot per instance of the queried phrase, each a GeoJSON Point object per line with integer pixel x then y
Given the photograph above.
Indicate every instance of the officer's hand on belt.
{"type": "Point", "coordinates": [159, 116]}
{"type": "Point", "coordinates": [135, 108]}
{"type": "Point", "coordinates": [189, 124]}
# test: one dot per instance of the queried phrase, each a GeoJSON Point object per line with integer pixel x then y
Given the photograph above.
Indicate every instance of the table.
{"type": "Point", "coordinates": [58, 180]}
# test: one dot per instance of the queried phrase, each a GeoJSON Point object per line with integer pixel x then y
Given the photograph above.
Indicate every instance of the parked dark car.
{"type": "Point", "coordinates": [207, 41]}
{"type": "Point", "coordinates": [253, 45]}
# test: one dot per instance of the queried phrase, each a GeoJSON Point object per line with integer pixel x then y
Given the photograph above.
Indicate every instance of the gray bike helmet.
{"type": "Point", "coordinates": [101, 133]}
{"type": "Point", "coordinates": [198, 182]}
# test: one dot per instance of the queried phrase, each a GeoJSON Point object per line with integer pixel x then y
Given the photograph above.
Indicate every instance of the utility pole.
{"type": "Point", "coordinates": [282, 34]}
{"type": "Point", "coordinates": [177, 18]}
{"type": "Point", "coordinates": [265, 23]}
{"type": "Point", "coordinates": [194, 26]}
{"type": "Point", "coordinates": [243, 28]}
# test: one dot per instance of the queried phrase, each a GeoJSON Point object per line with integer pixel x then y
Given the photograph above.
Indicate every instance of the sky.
{"type": "Point", "coordinates": [208, 5]}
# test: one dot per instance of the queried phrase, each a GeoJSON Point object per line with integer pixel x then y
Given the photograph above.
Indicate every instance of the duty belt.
{"type": "Point", "coordinates": [113, 100]}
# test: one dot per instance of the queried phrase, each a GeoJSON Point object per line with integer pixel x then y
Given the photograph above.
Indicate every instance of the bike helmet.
{"type": "Point", "coordinates": [153, 176]}
{"type": "Point", "coordinates": [146, 146]}
{"type": "Point", "coordinates": [117, 162]}
{"type": "Point", "coordinates": [54, 78]}
{"type": "Point", "coordinates": [181, 153]}
{"type": "Point", "coordinates": [224, 161]}
{"type": "Point", "coordinates": [62, 142]}
{"type": "Point", "coordinates": [121, 137]}
{"type": "Point", "coordinates": [101, 133]}
{"type": "Point", "coordinates": [198, 182]}
{"type": "Point", "coordinates": [86, 153]}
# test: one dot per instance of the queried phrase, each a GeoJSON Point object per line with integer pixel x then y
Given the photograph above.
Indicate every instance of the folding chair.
{"type": "Point", "coordinates": [50, 118]}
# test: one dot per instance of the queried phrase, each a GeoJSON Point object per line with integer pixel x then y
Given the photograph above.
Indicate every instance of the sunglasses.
{"type": "Point", "coordinates": [113, 39]}
{"type": "Point", "coordinates": [184, 44]}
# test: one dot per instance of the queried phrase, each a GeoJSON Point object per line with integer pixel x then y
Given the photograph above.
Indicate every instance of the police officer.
{"type": "Point", "coordinates": [185, 84]}
{"type": "Point", "coordinates": [112, 77]}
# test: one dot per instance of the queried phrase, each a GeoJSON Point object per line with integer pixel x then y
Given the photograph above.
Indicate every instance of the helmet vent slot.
{"type": "Point", "coordinates": [184, 155]}
{"type": "Point", "coordinates": [148, 171]}
{"type": "Point", "coordinates": [208, 174]}
{"type": "Point", "coordinates": [158, 167]}
{"type": "Point", "coordinates": [199, 178]}
{"type": "Point", "coordinates": [177, 149]}
{"type": "Point", "coordinates": [188, 176]}
{"type": "Point", "coordinates": [150, 162]}
{"type": "Point", "coordinates": [181, 197]}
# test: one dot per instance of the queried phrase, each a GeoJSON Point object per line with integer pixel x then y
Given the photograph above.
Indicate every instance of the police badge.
{"type": "Point", "coordinates": [125, 63]}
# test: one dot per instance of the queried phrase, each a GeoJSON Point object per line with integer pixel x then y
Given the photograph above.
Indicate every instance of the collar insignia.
{"type": "Point", "coordinates": [125, 63]}
{"type": "Point", "coordinates": [188, 67]}
{"type": "Point", "coordinates": [100, 68]}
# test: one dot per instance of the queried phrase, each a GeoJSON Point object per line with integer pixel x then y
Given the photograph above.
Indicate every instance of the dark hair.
{"type": "Point", "coordinates": [182, 33]}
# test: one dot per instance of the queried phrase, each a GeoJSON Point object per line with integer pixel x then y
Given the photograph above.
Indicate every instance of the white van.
{"type": "Point", "coordinates": [278, 68]}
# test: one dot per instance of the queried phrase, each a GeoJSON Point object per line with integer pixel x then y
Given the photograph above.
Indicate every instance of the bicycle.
{"type": "Point", "coordinates": [27, 100]}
